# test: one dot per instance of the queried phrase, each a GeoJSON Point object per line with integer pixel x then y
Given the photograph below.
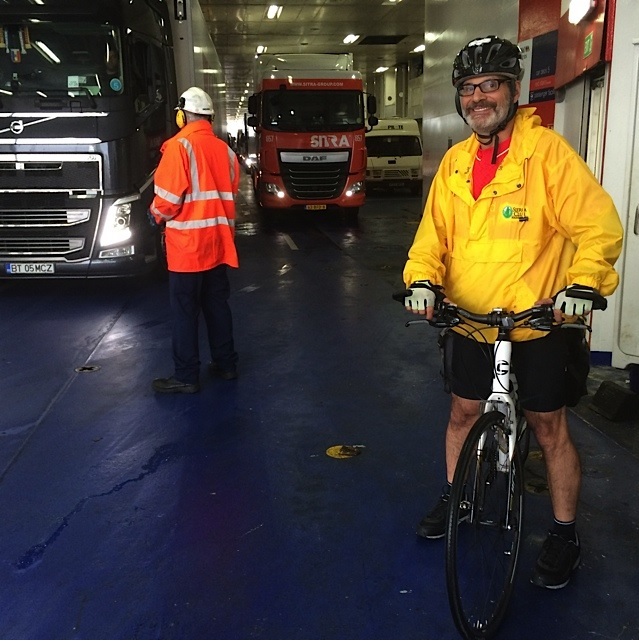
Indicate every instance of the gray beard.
{"type": "Point", "coordinates": [485, 127]}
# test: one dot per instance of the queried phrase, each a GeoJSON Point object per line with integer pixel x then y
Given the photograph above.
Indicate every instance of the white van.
{"type": "Point", "coordinates": [394, 149]}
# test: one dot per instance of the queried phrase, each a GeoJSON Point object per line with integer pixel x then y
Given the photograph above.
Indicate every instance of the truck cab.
{"type": "Point", "coordinates": [309, 116]}
{"type": "Point", "coordinates": [87, 91]}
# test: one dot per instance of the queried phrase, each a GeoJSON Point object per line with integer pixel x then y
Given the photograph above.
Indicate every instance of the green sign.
{"type": "Point", "coordinates": [588, 44]}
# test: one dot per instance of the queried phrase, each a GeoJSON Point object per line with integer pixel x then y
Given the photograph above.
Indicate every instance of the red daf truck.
{"type": "Point", "coordinates": [308, 112]}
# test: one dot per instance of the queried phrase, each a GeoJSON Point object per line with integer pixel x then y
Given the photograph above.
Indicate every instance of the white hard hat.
{"type": "Point", "coordinates": [196, 101]}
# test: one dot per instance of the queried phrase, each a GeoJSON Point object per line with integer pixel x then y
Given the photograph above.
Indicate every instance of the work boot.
{"type": "Point", "coordinates": [226, 374]}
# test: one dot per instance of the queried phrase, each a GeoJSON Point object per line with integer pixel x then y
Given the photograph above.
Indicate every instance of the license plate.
{"type": "Point", "coordinates": [314, 207]}
{"type": "Point", "coordinates": [30, 268]}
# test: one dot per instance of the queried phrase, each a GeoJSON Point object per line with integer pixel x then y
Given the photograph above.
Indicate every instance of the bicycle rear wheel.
{"type": "Point", "coordinates": [482, 549]}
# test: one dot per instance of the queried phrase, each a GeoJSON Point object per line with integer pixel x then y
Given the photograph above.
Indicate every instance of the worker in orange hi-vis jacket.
{"type": "Point", "coordinates": [196, 182]}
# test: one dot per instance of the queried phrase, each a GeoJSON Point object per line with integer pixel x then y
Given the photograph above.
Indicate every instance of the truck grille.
{"type": "Point", "coordinates": [44, 218]}
{"type": "Point", "coordinates": [49, 205]}
{"type": "Point", "coordinates": [39, 246]}
{"type": "Point", "coordinates": [389, 174]}
{"type": "Point", "coordinates": [36, 175]}
{"type": "Point", "coordinates": [314, 181]}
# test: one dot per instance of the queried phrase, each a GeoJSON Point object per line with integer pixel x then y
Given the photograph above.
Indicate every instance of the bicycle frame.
{"type": "Point", "coordinates": [502, 397]}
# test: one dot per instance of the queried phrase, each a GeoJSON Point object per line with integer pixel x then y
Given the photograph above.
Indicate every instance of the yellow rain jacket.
{"type": "Point", "coordinates": [195, 187]}
{"type": "Point", "coordinates": [542, 223]}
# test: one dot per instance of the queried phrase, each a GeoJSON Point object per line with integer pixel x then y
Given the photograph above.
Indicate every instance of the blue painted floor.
{"type": "Point", "coordinates": [219, 515]}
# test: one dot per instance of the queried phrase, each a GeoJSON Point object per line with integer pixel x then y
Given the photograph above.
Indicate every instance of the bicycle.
{"type": "Point", "coordinates": [486, 505]}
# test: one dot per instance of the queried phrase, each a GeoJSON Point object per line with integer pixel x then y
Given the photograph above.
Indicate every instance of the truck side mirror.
{"type": "Point", "coordinates": [251, 121]}
{"type": "Point", "coordinates": [372, 121]}
{"type": "Point", "coordinates": [252, 104]}
{"type": "Point", "coordinates": [371, 104]}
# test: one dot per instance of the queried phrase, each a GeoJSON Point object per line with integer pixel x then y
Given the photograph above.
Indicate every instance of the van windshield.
{"type": "Point", "coordinates": [50, 58]}
{"type": "Point", "coordinates": [377, 146]}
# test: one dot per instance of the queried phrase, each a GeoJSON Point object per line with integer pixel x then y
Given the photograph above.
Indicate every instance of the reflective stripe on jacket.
{"type": "Point", "coordinates": [195, 187]}
{"type": "Point", "coordinates": [542, 223]}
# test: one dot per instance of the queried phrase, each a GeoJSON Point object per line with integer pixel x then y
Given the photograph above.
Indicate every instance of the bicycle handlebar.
{"type": "Point", "coordinates": [540, 317]}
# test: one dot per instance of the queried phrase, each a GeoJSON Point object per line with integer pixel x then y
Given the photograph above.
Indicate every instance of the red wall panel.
{"type": "Point", "coordinates": [579, 46]}
{"type": "Point", "coordinates": [537, 17]}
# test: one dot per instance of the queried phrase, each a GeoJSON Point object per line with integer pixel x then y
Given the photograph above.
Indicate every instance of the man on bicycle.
{"type": "Point", "coordinates": [514, 216]}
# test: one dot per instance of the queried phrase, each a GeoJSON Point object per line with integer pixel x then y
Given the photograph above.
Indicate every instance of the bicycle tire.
{"type": "Point", "coordinates": [523, 440]}
{"type": "Point", "coordinates": [482, 551]}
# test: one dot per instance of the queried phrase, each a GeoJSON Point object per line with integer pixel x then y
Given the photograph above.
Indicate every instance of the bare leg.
{"type": "Point", "coordinates": [563, 467]}
{"type": "Point", "coordinates": [463, 414]}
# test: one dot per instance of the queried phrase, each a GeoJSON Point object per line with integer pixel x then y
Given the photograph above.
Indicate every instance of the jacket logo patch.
{"type": "Point", "coordinates": [515, 212]}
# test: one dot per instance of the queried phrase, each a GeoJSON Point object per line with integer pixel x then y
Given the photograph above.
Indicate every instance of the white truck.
{"type": "Point", "coordinates": [394, 150]}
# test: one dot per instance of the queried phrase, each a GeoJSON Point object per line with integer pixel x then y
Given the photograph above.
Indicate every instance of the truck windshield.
{"type": "Point", "coordinates": [293, 110]}
{"type": "Point", "coordinates": [48, 58]}
{"type": "Point", "coordinates": [377, 146]}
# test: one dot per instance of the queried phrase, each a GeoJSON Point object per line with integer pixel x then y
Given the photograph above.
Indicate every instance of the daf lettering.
{"type": "Point", "coordinates": [314, 159]}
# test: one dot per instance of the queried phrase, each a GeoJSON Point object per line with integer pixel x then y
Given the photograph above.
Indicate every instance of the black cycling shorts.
{"type": "Point", "coordinates": [539, 365]}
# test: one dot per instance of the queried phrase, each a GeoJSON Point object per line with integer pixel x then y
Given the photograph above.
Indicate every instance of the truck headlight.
{"type": "Point", "coordinates": [272, 188]}
{"type": "Point", "coordinates": [355, 188]}
{"type": "Point", "coordinates": [117, 225]}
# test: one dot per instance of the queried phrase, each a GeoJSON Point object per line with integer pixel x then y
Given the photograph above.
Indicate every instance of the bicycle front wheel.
{"type": "Point", "coordinates": [483, 529]}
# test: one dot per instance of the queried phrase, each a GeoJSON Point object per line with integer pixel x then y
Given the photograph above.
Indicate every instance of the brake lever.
{"type": "Point", "coordinates": [445, 318]}
{"type": "Point", "coordinates": [541, 324]}
{"type": "Point", "coordinates": [441, 320]}
{"type": "Point", "coordinates": [576, 326]}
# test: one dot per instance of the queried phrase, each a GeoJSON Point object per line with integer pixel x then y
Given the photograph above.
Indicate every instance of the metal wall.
{"type": "Point", "coordinates": [448, 27]}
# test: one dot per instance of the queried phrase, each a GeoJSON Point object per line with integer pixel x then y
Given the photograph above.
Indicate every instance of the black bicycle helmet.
{"type": "Point", "coordinates": [487, 55]}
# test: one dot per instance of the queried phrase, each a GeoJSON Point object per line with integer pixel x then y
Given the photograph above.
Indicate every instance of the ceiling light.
{"type": "Point", "coordinates": [350, 38]}
{"type": "Point", "coordinates": [46, 52]}
{"type": "Point", "coordinates": [260, 49]}
{"type": "Point", "coordinates": [274, 11]}
{"type": "Point", "coordinates": [418, 49]}
{"type": "Point", "coordinates": [381, 69]}
{"type": "Point", "coordinates": [579, 9]}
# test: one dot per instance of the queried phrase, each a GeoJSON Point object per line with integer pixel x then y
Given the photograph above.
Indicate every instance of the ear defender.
{"type": "Point", "coordinates": [180, 116]}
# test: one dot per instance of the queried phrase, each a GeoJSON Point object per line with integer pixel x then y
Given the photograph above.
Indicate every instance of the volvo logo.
{"type": "Point", "coordinates": [17, 127]}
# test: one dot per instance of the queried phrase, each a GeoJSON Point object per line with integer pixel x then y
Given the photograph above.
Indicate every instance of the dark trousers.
{"type": "Point", "coordinates": [191, 293]}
